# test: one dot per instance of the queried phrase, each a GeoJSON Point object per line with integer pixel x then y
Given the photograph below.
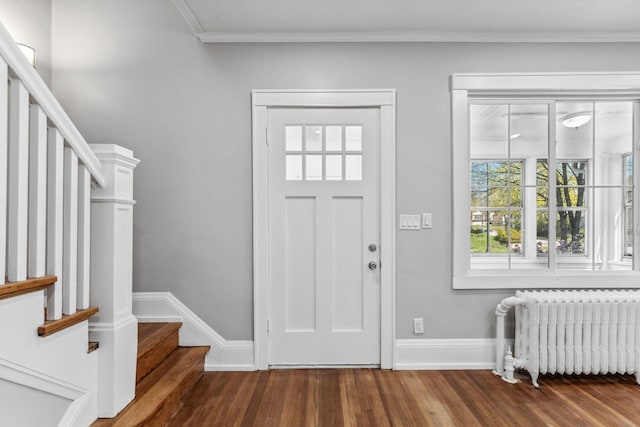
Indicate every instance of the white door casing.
{"type": "Point", "coordinates": [384, 102]}
{"type": "Point", "coordinates": [323, 217]}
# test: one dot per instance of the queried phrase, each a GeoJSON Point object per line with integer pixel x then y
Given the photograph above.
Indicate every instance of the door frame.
{"type": "Point", "coordinates": [385, 101]}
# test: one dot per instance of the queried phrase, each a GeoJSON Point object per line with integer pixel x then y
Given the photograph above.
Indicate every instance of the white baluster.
{"type": "Point", "coordinates": [70, 252]}
{"type": "Point", "coordinates": [84, 236]}
{"type": "Point", "coordinates": [37, 192]}
{"type": "Point", "coordinates": [18, 210]}
{"type": "Point", "coordinates": [4, 134]}
{"type": "Point", "coordinates": [55, 206]}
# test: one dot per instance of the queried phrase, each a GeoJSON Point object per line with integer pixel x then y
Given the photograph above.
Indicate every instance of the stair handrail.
{"type": "Point", "coordinates": [42, 95]}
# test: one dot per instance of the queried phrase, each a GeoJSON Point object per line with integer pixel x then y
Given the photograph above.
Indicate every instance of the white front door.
{"type": "Point", "coordinates": [324, 236]}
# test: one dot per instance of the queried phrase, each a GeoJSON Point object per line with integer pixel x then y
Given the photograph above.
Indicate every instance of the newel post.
{"type": "Point", "coordinates": [114, 327]}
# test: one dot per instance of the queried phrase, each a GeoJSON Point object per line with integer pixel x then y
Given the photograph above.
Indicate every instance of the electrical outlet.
{"type": "Point", "coordinates": [418, 325]}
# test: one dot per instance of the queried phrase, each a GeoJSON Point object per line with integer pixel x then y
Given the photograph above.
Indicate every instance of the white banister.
{"type": "Point", "coordinates": [42, 96]}
{"type": "Point", "coordinates": [18, 209]}
{"type": "Point", "coordinates": [55, 206]}
{"type": "Point", "coordinates": [4, 135]}
{"type": "Point", "coordinates": [84, 236]}
{"type": "Point", "coordinates": [70, 251]}
{"type": "Point", "coordinates": [37, 192]}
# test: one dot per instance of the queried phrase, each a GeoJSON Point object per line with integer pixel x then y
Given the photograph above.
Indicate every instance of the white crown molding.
{"type": "Point", "coordinates": [165, 307]}
{"type": "Point", "coordinates": [188, 16]}
{"type": "Point", "coordinates": [413, 37]}
{"type": "Point", "coordinates": [398, 36]}
{"type": "Point", "coordinates": [435, 354]}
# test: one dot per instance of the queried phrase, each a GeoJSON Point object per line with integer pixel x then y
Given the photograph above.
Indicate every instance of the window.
{"type": "Point", "coordinates": [544, 181]}
{"type": "Point", "coordinates": [312, 149]}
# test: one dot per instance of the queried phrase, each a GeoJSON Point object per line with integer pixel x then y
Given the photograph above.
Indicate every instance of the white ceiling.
{"type": "Point", "coordinates": [413, 20]}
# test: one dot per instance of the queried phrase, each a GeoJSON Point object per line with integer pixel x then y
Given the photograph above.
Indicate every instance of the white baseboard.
{"type": "Point", "coordinates": [225, 355]}
{"type": "Point", "coordinates": [441, 354]}
{"type": "Point", "coordinates": [411, 354]}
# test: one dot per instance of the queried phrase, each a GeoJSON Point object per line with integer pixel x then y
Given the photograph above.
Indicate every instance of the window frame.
{"type": "Point", "coordinates": [534, 87]}
{"type": "Point", "coordinates": [625, 205]}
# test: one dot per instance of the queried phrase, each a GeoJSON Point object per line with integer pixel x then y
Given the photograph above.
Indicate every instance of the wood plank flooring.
{"type": "Point", "coordinates": [369, 397]}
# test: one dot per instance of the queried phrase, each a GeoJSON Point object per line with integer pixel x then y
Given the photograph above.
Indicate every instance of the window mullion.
{"type": "Point", "coordinates": [508, 187]}
{"type": "Point", "coordinates": [552, 187]}
{"type": "Point", "coordinates": [591, 194]}
{"type": "Point", "coordinates": [636, 177]}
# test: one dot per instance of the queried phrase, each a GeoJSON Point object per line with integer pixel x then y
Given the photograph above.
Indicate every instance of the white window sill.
{"type": "Point", "coordinates": [538, 278]}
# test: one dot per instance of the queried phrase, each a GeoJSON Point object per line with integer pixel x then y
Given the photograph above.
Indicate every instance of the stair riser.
{"type": "Point", "coordinates": [160, 415]}
{"type": "Point", "coordinates": [172, 404]}
{"type": "Point", "coordinates": [147, 362]}
{"type": "Point", "coordinates": [165, 374]}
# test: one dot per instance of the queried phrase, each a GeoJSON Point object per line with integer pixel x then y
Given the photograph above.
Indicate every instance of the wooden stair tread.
{"type": "Point", "coordinates": [52, 326]}
{"type": "Point", "coordinates": [12, 289]}
{"type": "Point", "coordinates": [156, 341]}
{"type": "Point", "coordinates": [158, 395]}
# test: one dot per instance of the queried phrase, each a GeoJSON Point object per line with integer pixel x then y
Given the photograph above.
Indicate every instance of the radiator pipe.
{"type": "Point", "coordinates": [501, 310]}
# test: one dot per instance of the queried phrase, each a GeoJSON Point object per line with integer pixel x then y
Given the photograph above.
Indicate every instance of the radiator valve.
{"type": "Point", "coordinates": [509, 367]}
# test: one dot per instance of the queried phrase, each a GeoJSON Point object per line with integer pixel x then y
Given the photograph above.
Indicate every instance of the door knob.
{"type": "Point", "coordinates": [373, 265]}
{"type": "Point", "coordinates": [372, 247]}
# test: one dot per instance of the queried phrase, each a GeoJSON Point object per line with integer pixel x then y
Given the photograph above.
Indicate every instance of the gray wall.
{"type": "Point", "coordinates": [29, 22]}
{"type": "Point", "coordinates": [145, 82]}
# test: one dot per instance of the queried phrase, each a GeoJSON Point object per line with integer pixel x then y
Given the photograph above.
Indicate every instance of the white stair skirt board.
{"type": "Point", "coordinates": [441, 354]}
{"type": "Point", "coordinates": [225, 355]}
{"type": "Point", "coordinates": [58, 365]}
{"type": "Point", "coordinates": [74, 398]}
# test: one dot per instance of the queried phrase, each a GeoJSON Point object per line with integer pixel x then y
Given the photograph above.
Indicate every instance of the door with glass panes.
{"type": "Point", "coordinates": [323, 236]}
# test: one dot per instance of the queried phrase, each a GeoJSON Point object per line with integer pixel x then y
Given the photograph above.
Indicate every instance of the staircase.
{"type": "Point", "coordinates": [66, 233]}
{"type": "Point", "coordinates": [164, 375]}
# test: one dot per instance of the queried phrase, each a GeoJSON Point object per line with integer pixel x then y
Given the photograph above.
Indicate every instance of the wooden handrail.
{"type": "Point", "coordinates": [53, 326]}
{"type": "Point", "coordinates": [43, 96]}
{"type": "Point", "coordinates": [9, 290]}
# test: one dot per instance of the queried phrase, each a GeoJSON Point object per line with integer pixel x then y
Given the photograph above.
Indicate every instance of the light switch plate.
{"type": "Point", "coordinates": [426, 220]}
{"type": "Point", "coordinates": [409, 222]}
{"type": "Point", "coordinates": [418, 325]}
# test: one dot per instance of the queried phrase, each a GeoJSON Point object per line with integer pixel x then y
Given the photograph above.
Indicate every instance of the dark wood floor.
{"type": "Point", "coordinates": [368, 397]}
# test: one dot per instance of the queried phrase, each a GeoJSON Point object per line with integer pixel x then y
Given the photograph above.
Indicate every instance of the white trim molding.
{"type": "Point", "coordinates": [544, 83]}
{"type": "Point", "coordinates": [382, 36]}
{"type": "Point", "coordinates": [80, 399]}
{"type": "Point", "coordinates": [385, 100]}
{"type": "Point", "coordinates": [188, 16]}
{"type": "Point", "coordinates": [225, 355]}
{"type": "Point", "coordinates": [413, 37]}
{"type": "Point", "coordinates": [437, 354]}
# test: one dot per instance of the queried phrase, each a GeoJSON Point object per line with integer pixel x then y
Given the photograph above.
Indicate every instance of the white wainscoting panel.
{"type": "Point", "coordinates": [435, 354]}
{"type": "Point", "coordinates": [225, 355]}
{"type": "Point", "coordinates": [58, 365]}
